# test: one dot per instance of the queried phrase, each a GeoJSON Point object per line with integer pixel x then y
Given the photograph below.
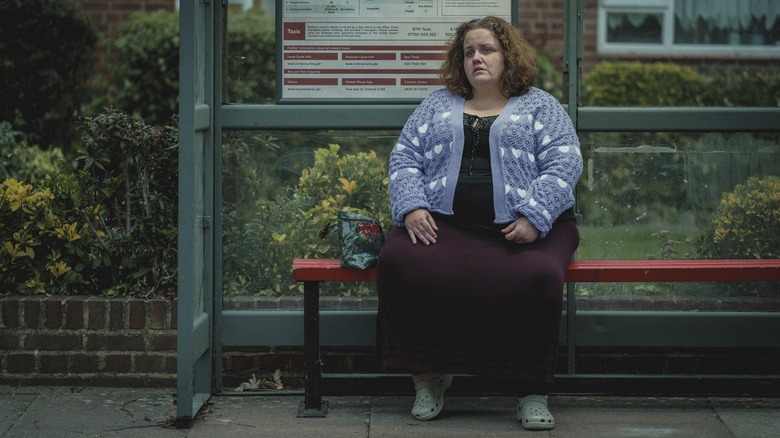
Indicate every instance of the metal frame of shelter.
{"type": "Point", "coordinates": [204, 329]}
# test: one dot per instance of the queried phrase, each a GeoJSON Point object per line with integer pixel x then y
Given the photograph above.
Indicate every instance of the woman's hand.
{"type": "Point", "coordinates": [521, 231]}
{"type": "Point", "coordinates": [420, 225]}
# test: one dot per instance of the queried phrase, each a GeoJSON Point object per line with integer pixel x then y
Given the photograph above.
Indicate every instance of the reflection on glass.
{"type": "Point", "coordinates": [279, 190]}
{"type": "Point", "coordinates": [249, 52]}
{"type": "Point", "coordinates": [641, 196]}
{"type": "Point", "coordinates": [679, 196]}
{"type": "Point", "coordinates": [634, 28]}
{"type": "Point", "coordinates": [682, 83]}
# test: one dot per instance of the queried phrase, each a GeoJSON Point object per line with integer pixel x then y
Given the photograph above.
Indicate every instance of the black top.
{"type": "Point", "coordinates": [473, 201]}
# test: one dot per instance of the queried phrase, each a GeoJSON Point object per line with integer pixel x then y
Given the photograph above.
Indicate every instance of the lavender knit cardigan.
{"type": "Point", "coordinates": [534, 155]}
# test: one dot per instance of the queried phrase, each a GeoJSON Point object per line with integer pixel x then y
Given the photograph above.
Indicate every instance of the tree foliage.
{"type": "Point", "coordinates": [46, 56]}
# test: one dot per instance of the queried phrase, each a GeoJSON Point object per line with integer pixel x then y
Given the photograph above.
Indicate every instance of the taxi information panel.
{"type": "Point", "coordinates": [369, 51]}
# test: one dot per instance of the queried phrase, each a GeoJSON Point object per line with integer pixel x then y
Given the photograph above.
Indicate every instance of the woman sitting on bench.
{"type": "Point", "coordinates": [481, 185]}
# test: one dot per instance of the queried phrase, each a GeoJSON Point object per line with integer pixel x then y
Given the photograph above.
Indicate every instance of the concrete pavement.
{"type": "Point", "coordinates": [149, 413]}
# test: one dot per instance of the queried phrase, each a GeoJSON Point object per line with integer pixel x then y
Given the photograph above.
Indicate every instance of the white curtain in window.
{"type": "Point", "coordinates": [772, 13]}
{"type": "Point", "coordinates": [733, 14]}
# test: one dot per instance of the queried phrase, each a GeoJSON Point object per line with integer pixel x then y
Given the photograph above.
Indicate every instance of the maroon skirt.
{"type": "Point", "coordinates": [473, 303]}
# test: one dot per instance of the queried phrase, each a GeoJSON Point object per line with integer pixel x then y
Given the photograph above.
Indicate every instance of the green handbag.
{"type": "Point", "coordinates": [361, 238]}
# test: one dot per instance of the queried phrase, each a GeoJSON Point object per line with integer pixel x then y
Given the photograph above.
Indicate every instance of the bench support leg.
{"type": "Point", "coordinates": [312, 405]}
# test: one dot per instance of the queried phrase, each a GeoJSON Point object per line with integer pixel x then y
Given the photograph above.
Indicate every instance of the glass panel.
{"type": "Point", "coordinates": [251, 67]}
{"type": "Point", "coordinates": [280, 189]}
{"type": "Point", "coordinates": [684, 82]}
{"type": "Point", "coordinates": [634, 28]}
{"type": "Point", "coordinates": [680, 196]}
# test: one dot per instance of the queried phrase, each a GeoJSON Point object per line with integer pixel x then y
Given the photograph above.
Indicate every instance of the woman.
{"type": "Point", "coordinates": [481, 185]}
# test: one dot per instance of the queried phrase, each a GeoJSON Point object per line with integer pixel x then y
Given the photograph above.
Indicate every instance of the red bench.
{"type": "Point", "coordinates": [586, 271]}
{"type": "Point", "coordinates": [312, 272]}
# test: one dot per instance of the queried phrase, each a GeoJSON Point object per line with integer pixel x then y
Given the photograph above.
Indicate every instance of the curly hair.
{"type": "Point", "coordinates": [520, 67]}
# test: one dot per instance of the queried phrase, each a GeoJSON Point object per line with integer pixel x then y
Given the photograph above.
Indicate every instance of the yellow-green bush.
{"type": "Point", "coordinates": [107, 227]}
{"type": "Point", "coordinates": [22, 161]}
{"type": "Point", "coordinates": [258, 247]}
{"type": "Point", "coordinates": [747, 223]}
{"type": "Point", "coordinates": [357, 181]}
{"type": "Point", "coordinates": [47, 243]}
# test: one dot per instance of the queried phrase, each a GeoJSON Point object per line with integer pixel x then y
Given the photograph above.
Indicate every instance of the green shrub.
{"type": "Point", "coordinates": [622, 83]}
{"type": "Point", "coordinates": [550, 79]}
{"type": "Point", "coordinates": [634, 177]}
{"type": "Point", "coordinates": [716, 162]}
{"type": "Point", "coordinates": [131, 169]}
{"type": "Point", "coordinates": [47, 54]}
{"type": "Point", "coordinates": [47, 240]}
{"type": "Point", "coordinates": [335, 182]}
{"type": "Point", "coordinates": [250, 58]}
{"type": "Point", "coordinates": [747, 223]}
{"type": "Point", "coordinates": [23, 162]}
{"type": "Point", "coordinates": [260, 242]}
{"type": "Point", "coordinates": [733, 87]}
{"type": "Point", "coordinates": [631, 179]}
{"type": "Point", "coordinates": [145, 62]}
{"type": "Point", "coordinates": [10, 162]}
{"type": "Point", "coordinates": [745, 226]}
{"type": "Point", "coordinates": [108, 228]}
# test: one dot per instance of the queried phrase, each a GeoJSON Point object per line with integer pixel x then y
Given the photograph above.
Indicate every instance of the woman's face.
{"type": "Point", "coordinates": [483, 60]}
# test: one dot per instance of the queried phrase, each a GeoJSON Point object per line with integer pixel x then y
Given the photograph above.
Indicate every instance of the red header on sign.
{"type": "Point", "coordinates": [312, 56]}
{"type": "Point", "coordinates": [368, 81]}
{"type": "Point", "coordinates": [294, 31]}
{"type": "Point", "coordinates": [368, 56]}
{"type": "Point", "coordinates": [309, 81]}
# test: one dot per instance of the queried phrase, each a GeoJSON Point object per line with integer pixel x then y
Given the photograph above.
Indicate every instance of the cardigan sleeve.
{"type": "Point", "coordinates": [559, 161]}
{"type": "Point", "coordinates": [406, 167]}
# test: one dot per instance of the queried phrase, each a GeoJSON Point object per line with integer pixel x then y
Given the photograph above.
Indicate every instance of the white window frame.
{"type": "Point", "coordinates": [667, 47]}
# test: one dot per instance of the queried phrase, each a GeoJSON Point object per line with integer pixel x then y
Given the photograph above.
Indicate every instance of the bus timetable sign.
{"type": "Point", "coordinates": [353, 51]}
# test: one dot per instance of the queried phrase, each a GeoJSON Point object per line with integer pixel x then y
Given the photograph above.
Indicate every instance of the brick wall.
{"type": "Point", "coordinates": [132, 342]}
{"type": "Point", "coordinates": [542, 24]}
{"type": "Point", "coordinates": [87, 340]}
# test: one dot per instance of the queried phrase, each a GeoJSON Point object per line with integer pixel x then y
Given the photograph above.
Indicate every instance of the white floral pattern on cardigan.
{"type": "Point", "coordinates": [534, 154]}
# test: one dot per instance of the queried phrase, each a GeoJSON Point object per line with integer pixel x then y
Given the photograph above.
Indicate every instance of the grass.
{"type": "Point", "coordinates": [660, 241]}
{"type": "Point", "coordinates": [635, 242]}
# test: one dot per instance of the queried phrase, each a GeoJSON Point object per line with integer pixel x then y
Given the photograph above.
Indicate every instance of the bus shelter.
{"type": "Point", "coordinates": [207, 326]}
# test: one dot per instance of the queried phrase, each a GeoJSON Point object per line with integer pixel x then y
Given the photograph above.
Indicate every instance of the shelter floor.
{"type": "Point", "coordinates": [37, 411]}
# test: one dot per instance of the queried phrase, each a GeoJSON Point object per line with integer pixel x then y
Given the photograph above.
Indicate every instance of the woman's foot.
{"type": "Point", "coordinates": [430, 397]}
{"type": "Point", "coordinates": [532, 413]}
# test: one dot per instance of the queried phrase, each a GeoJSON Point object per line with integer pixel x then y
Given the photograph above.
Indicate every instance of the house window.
{"type": "Point", "coordinates": [642, 28]}
{"type": "Point", "coordinates": [738, 28]}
